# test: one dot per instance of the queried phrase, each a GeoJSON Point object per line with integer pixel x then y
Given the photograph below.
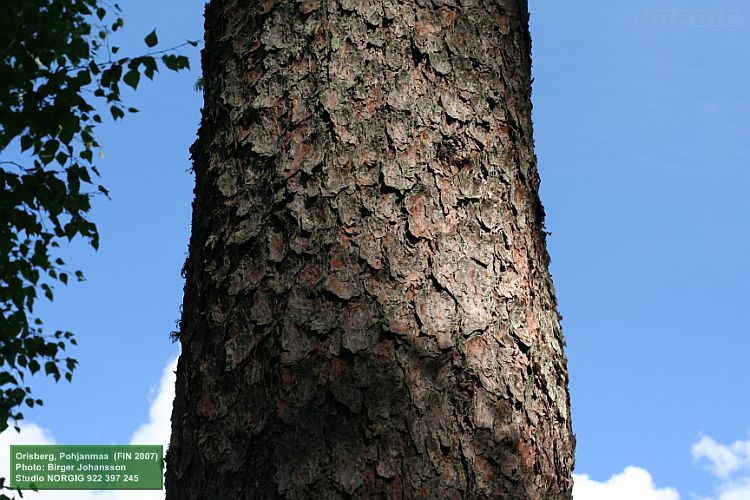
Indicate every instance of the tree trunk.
{"type": "Point", "coordinates": [368, 311]}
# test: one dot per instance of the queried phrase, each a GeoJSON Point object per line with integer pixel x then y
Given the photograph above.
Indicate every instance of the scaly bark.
{"type": "Point", "coordinates": [368, 311]}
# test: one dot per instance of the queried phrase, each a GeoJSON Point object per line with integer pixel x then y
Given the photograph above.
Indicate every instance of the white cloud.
{"type": "Point", "coordinates": [724, 460]}
{"type": "Point", "coordinates": [632, 483]}
{"type": "Point", "coordinates": [158, 427]}
{"type": "Point", "coordinates": [30, 434]}
{"type": "Point", "coordinates": [155, 430]}
{"type": "Point", "coordinates": [729, 463]}
{"type": "Point", "coordinates": [735, 490]}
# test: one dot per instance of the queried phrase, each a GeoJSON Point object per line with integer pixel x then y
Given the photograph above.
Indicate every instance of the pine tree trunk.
{"type": "Point", "coordinates": [368, 311]}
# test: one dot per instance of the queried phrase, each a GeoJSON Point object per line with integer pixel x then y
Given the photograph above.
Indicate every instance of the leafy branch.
{"type": "Point", "coordinates": [56, 72]}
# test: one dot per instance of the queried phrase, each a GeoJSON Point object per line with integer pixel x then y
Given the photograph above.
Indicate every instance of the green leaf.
{"type": "Point", "coordinates": [50, 368]}
{"type": "Point", "coordinates": [175, 63]}
{"type": "Point", "coordinates": [61, 158]}
{"type": "Point", "coordinates": [83, 77]}
{"type": "Point", "coordinates": [116, 113]}
{"type": "Point", "coordinates": [7, 378]}
{"type": "Point", "coordinates": [150, 65]}
{"type": "Point", "coordinates": [131, 78]}
{"type": "Point", "coordinates": [151, 39]}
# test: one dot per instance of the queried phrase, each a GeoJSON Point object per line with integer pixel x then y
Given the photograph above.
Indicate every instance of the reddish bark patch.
{"type": "Point", "coordinates": [337, 263]}
{"type": "Point", "coordinates": [311, 275]}
{"type": "Point", "coordinates": [526, 450]}
{"type": "Point", "coordinates": [252, 76]}
{"type": "Point", "coordinates": [447, 16]}
{"type": "Point", "coordinates": [206, 406]}
{"type": "Point", "coordinates": [281, 408]}
{"type": "Point", "coordinates": [342, 289]}
{"type": "Point", "coordinates": [384, 349]}
{"type": "Point", "coordinates": [299, 111]}
{"type": "Point", "coordinates": [425, 28]}
{"type": "Point", "coordinates": [277, 246]}
{"type": "Point", "coordinates": [262, 309]}
{"type": "Point", "coordinates": [330, 100]}
{"type": "Point", "coordinates": [401, 321]}
{"type": "Point", "coordinates": [308, 7]}
{"type": "Point", "coordinates": [419, 223]}
{"type": "Point", "coordinates": [298, 160]}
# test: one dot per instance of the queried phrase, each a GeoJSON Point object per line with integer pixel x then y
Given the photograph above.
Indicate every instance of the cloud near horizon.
{"type": "Point", "coordinates": [729, 463]}
{"type": "Point", "coordinates": [630, 484]}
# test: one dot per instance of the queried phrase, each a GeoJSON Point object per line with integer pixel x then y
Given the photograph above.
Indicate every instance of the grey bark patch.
{"type": "Point", "coordinates": [454, 107]}
{"type": "Point", "coordinates": [437, 312]}
{"type": "Point", "coordinates": [227, 183]}
{"type": "Point", "coordinates": [398, 175]}
{"type": "Point", "coordinates": [440, 61]}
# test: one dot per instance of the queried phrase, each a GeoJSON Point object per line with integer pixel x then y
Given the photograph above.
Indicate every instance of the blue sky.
{"type": "Point", "coordinates": [642, 121]}
{"type": "Point", "coordinates": [642, 126]}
